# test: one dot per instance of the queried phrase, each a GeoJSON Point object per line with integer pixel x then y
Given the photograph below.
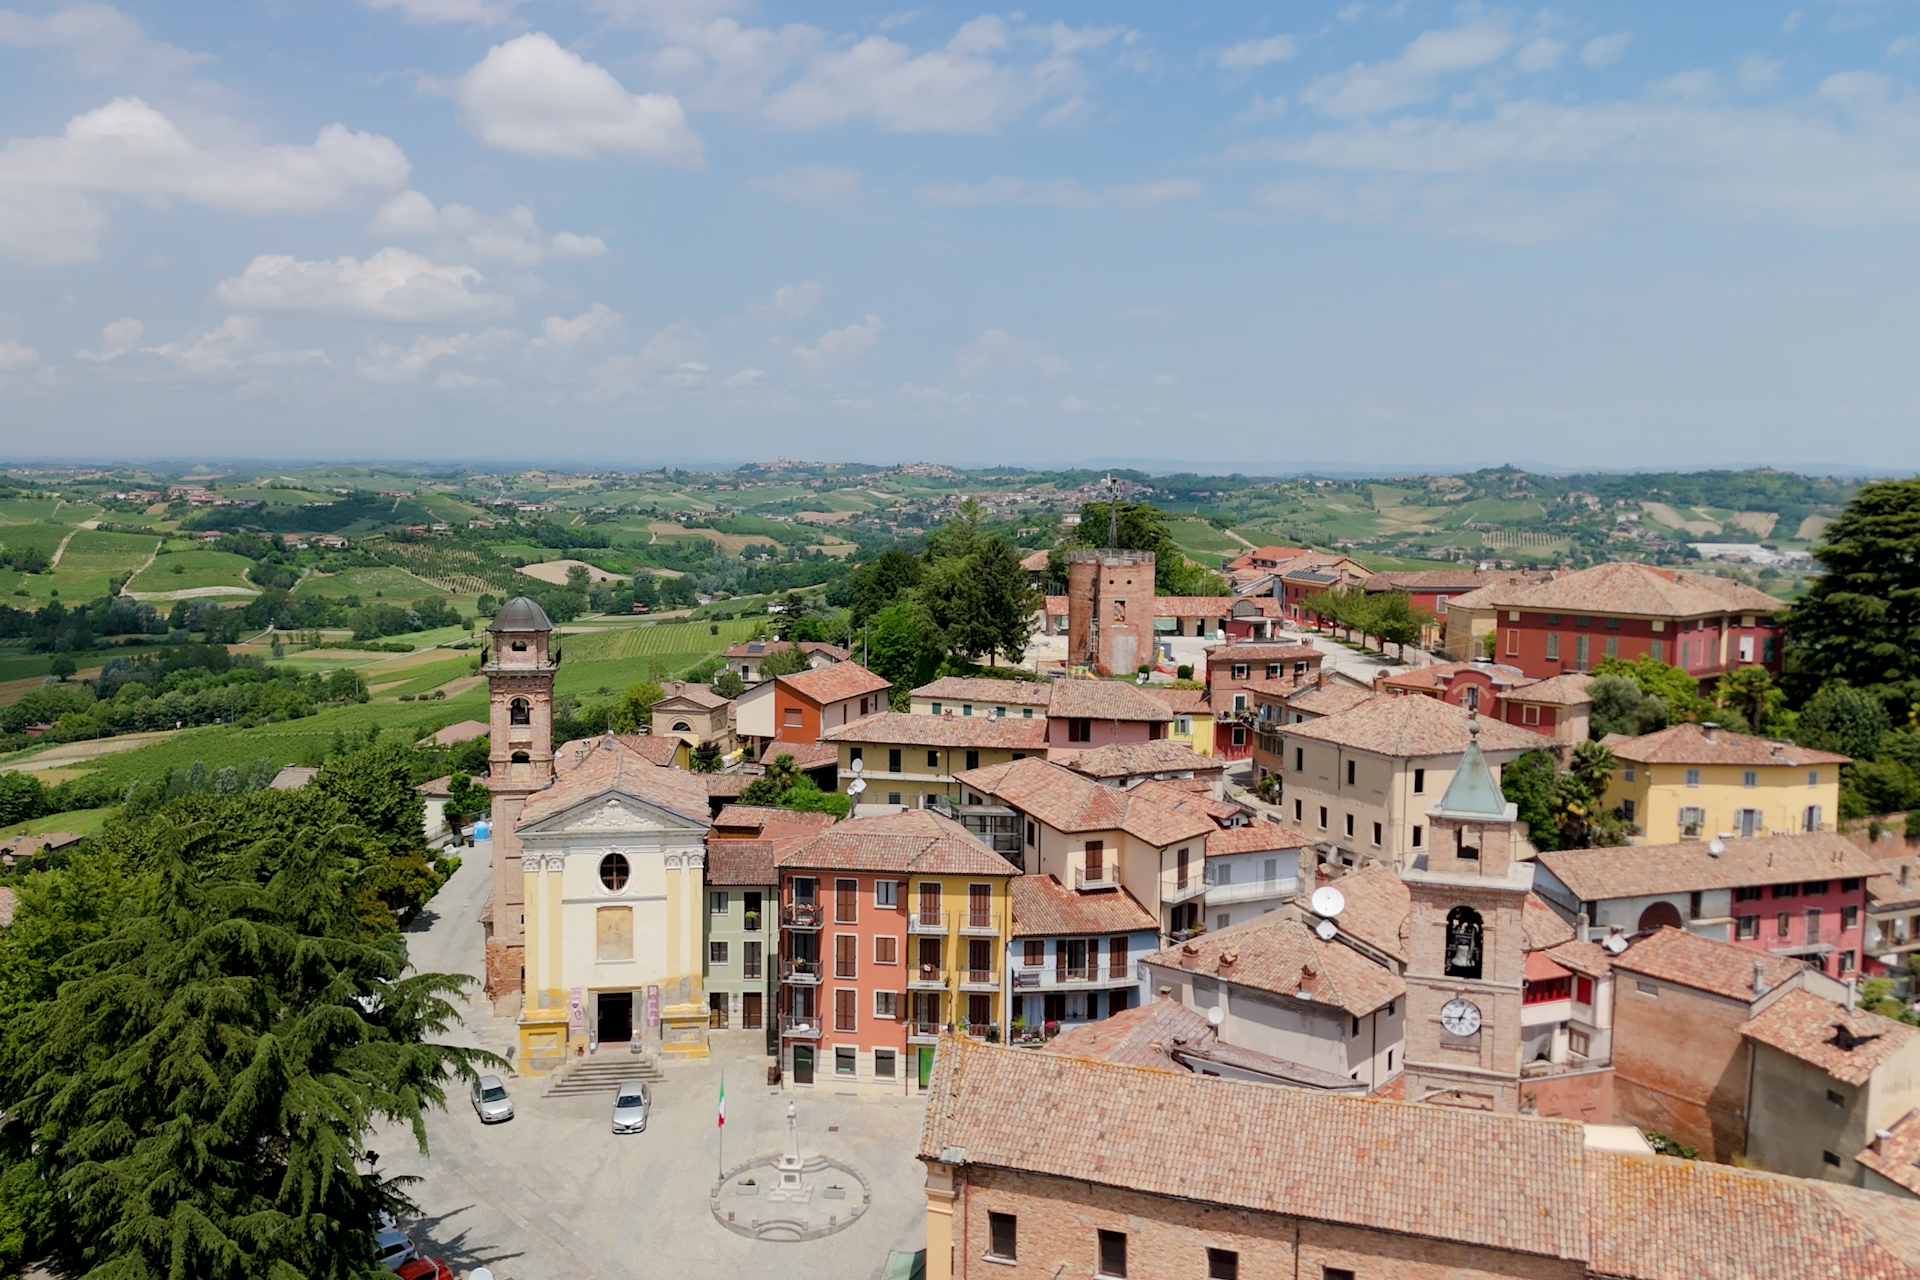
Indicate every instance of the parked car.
{"type": "Point", "coordinates": [490, 1100]}
{"type": "Point", "coordinates": [427, 1269]}
{"type": "Point", "coordinates": [392, 1247]}
{"type": "Point", "coordinates": [630, 1105]}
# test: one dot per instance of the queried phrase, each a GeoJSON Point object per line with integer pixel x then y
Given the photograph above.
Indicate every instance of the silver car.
{"type": "Point", "coordinates": [630, 1107]}
{"type": "Point", "coordinates": [393, 1248]}
{"type": "Point", "coordinates": [490, 1100]}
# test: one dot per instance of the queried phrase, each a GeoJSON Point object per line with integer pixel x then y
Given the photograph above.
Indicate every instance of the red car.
{"type": "Point", "coordinates": [426, 1269]}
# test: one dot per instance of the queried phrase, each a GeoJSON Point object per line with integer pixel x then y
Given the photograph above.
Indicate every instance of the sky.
{"type": "Point", "coordinates": [1227, 236]}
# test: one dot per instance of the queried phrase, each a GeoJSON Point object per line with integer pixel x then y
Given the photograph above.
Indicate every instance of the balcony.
{"type": "Point", "coordinates": [979, 980]}
{"type": "Point", "coordinates": [919, 1032]}
{"type": "Point", "coordinates": [1251, 891]}
{"type": "Point", "coordinates": [1072, 978]}
{"type": "Point", "coordinates": [800, 1026]}
{"type": "Point", "coordinates": [1177, 892]}
{"type": "Point", "coordinates": [800, 915]}
{"type": "Point", "coordinates": [927, 923]}
{"type": "Point", "coordinates": [979, 925]}
{"type": "Point", "coordinates": [1106, 877]}
{"type": "Point", "coordinates": [927, 977]}
{"type": "Point", "coordinates": [805, 973]}
{"type": "Point", "coordinates": [1186, 935]}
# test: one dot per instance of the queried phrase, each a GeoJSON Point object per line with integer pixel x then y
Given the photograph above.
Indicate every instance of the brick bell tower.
{"type": "Point", "coordinates": [1466, 952]}
{"type": "Point", "coordinates": [519, 667]}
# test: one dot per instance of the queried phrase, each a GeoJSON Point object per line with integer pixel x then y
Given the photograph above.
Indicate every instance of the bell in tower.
{"type": "Point", "coordinates": [519, 667]}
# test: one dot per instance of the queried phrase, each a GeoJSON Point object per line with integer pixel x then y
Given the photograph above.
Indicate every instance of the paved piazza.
{"type": "Point", "coordinates": [554, 1195]}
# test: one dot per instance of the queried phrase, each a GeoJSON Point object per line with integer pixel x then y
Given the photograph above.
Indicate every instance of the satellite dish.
{"type": "Point", "coordinates": [1327, 930]}
{"type": "Point", "coordinates": [1328, 902]}
{"type": "Point", "coordinates": [1616, 944]}
{"type": "Point", "coordinates": [1216, 1015]}
{"type": "Point", "coordinates": [479, 1273]}
{"type": "Point", "coordinates": [1716, 846]}
{"type": "Point", "coordinates": [857, 765]}
{"type": "Point", "coordinates": [855, 787]}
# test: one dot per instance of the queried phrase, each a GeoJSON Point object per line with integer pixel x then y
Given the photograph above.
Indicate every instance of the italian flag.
{"type": "Point", "coordinates": [723, 1103]}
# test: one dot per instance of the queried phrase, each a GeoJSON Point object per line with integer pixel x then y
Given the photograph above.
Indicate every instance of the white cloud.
{"type": "Point", "coordinates": [513, 237]}
{"type": "Point", "coordinates": [14, 358]}
{"type": "Point", "coordinates": [818, 186]}
{"type": "Point", "coordinates": [102, 40]}
{"type": "Point", "coordinates": [116, 339]}
{"type": "Point", "coordinates": [128, 148]}
{"type": "Point", "coordinates": [233, 346]}
{"type": "Point", "coordinates": [431, 357]}
{"type": "Point", "coordinates": [597, 324]}
{"type": "Point", "coordinates": [426, 12]}
{"type": "Point", "coordinates": [1261, 109]}
{"type": "Point", "coordinates": [1539, 55]}
{"type": "Point", "coordinates": [837, 346]}
{"type": "Point", "coordinates": [1073, 404]}
{"type": "Point", "coordinates": [532, 97]}
{"type": "Point", "coordinates": [1604, 51]}
{"type": "Point", "coordinates": [789, 302]}
{"type": "Point", "coordinates": [746, 378]}
{"type": "Point", "coordinates": [393, 284]}
{"type": "Point", "coordinates": [1249, 54]}
{"type": "Point", "coordinates": [997, 352]}
{"type": "Point", "coordinates": [1414, 76]}
{"type": "Point", "coordinates": [1758, 72]}
{"type": "Point", "coordinates": [1001, 189]}
{"type": "Point", "coordinates": [952, 90]}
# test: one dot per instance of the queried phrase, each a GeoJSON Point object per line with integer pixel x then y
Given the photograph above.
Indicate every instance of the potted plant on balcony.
{"type": "Point", "coordinates": [1051, 1029]}
{"type": "Point", "coordinates": [753, 921]}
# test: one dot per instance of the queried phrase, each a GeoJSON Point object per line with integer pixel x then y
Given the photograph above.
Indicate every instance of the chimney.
{"type": "Point", "coordinates": [1189, 955]}
{"type": "Point", "coordinates": [1164, 993]}
{"type": "Point", "coordinates": [1320, 681]}
{"type": "Point", "coordinates": [1580, 926]}
{"type": "Point", "coordinates": [1706, 730]}
{"type": "Point", "coordinates": [1760, 986]}
{"type": "Point", "coordinates": [1155, 1046]}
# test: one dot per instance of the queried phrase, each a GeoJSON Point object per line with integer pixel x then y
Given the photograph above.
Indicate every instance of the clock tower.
{"type": "Point", "coordinates": [1465, 949]}
{"type": "Point", "coordinates": [519, 666]}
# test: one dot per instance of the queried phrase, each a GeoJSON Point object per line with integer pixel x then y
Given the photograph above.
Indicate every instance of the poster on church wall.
{"type": "Point", "coordinates": [577, 1008]}
{"type": "Point", "coordinates": [653, 1006]}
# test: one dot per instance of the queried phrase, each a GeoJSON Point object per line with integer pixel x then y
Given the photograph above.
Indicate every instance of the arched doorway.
{"type": "Point", "coordinates": [1660, 915]}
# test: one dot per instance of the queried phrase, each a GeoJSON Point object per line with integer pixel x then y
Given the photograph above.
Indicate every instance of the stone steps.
{"type": "Point", "coordinates": [605, 1074]}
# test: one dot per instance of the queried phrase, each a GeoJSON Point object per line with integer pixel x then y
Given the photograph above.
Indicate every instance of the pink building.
{"type": "Point", "coordinates": [1085, 714]}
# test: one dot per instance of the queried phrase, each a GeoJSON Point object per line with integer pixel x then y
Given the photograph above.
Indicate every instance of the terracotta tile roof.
{"type": "Point", "coordinates": [727, 784]}
{"type": "Point", "coordinates": [1895, 1157]}
{"type": "Point", "coordinates": [1327, 700]}
{"type": "Point", "coordinates": [441, 788]}
{"type": "Point", "coordinates": [741, 862]}
{"type": "Point", "coordinates": [1068, 802]}
{"type": "Point", "coordinates": [1265, 606]}
{"type": "Point", "coordinates": [1622, 587]}
{"type": "Point", "coordinates": [1002, 732]}
{"type": "Point", "coordinates": [1104, 700]}
{"type": "Point", "coordinates": [993, 693]}
{"type": "Point", "coordinates": [1180, 702]}
{"type": "Point", "coordinates": [1181, 794]}
{"type": "Point", "coordinates": [1633, 871]}
{"type": "Point", "coordinates": [1846, 1044]}
{"type": "Point", "coordinates": [837, 683]}
{"type": "Point", "coordinates": [455, 734]}
{"type": "Point", "coordinates": [1168, 1036]}
{"type": "Point", "coordinates": [769, 821]}
{"type": "Point", "coordinates": [1271, 555]}
{"type": "Point", "coordinates": [1433, 677]}
{"type": "Point", "coordinates": [1885, 892]}
{"type": "Point", "coordinates": [1034, 561]}
{"type": "Point", "coordinates": [1719, 968]}
{"type": "Point", "coordinates": [1569, 690]}
{"type": "Point", "coordinates": [1438, 579]}
{"type": "Point", "coordinates": [1042, 907]}
{"type": "Point", "coordinates": [766, 648]}
{"type": "Point", "coordinates": [620, 768]}
{"type": "Point", "coordinates": [1589, 958]}
{"type": "Point", "coordinates": [1260, 651]}
{"type": "Point", "coordinates": [1277, 953]}
{"type": "Point", "coordinates": [1691, 744]}
{"type": "Point", "coordinates": [657, 750]}
{"type": "Point", "coordinates": [806, 755]}
{"type": "Point", "coordinates": [1662, 1218]}
{"type": "Point", "coordinates": [1193, 606]}
{"type": "Point", "coordinates": [1278, 689]}
{"type": "Point", "coordinates": [1378, 902]}
{"type": "Point", "coordinates": [915, 842]}
{"type": "Point", "coordinates": [1258, 836]}
{"type": "Point", "coordinates": [1408, 727]}
{"type": "Point", "coordinates": [9, 902]}
{"type": "Point", "coordinates": [686, 691]}
{"type": "Point", "coordinates": [1474, 1178]}
{"type": "Point", "coordinates": [1128, 759]}
{"type": "Point", "coordinates": [1057, 606]}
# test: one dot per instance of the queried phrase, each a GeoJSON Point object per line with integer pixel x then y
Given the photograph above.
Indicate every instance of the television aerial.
{"type": "Point", "coordinates": [1616, 943]}
{"type": "Point", "coordinates": [855, 787]}
{"type": "Point", "coordinates": [1328, 902]}
{"type": "Point", "coordinates": [1327, 930]}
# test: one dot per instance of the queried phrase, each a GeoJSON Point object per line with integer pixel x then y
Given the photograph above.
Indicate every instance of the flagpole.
{"type": "Point", "coordinates": [722, 1125]}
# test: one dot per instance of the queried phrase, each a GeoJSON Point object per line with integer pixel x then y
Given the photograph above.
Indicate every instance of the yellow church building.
{"type": "Point", "coordinates": [1697, 781]}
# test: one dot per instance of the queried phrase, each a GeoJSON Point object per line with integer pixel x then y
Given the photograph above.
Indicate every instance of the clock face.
{"type": "Point", "coordinates": [1460, 1017]}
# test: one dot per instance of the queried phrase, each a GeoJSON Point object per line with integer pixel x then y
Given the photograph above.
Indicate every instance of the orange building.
{"type": "Point", "coordinates": [808, 704]}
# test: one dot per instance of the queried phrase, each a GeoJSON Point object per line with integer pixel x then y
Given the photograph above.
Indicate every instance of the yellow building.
{"type": "Point", "coordinates": [1192, 725]}
{"type": "Point", "coordinates": [969, 696]}
{"type": "Point", "coordinates": [908, 761]}
{"type": "Point", "coordinates": [1693, 781]}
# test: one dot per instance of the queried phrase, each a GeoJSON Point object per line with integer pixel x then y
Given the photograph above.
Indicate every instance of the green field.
{"type": "Point", "coordinates": [1202, 541]}
{"type": "Point", "coordinates": [418, 679]}
{"type": "Point", "coordinates": [377, 582]}
{"type": "Point", "coordinates": [82, 822]}
{"type": "Point", "coordinates": [614, 657]}
{"type": "Point", "coordinates": [198, 568]}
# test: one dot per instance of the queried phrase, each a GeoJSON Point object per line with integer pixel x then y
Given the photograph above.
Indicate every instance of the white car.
{"type": "Point", "coordinates": [393, 1248]}
{"type": "Point", "coordinates": [630, 1106]}
{"type": "Point", "coordinates": [490, 1100]}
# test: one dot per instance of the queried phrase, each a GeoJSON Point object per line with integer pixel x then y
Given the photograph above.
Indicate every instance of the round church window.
{"type": "Point", "coordinates": [613, 871]}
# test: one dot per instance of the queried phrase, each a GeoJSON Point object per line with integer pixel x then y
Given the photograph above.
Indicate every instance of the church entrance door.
{"type": "Point", "coordinates": [616, 1016]}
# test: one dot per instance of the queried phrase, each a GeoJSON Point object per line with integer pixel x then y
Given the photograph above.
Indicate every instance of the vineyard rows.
{"type": "Point", "coordinates": [452, 569]}
{"type": "Point", "coordinates": [660, 638]}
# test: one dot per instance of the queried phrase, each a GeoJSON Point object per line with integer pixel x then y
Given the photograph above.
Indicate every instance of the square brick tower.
{"type": "Point", "coordinates": [1466, 952]}
{"type": "Point", "coordinates": [519, 668]}
{"type": "Point", "coordinates": [1110, 610]}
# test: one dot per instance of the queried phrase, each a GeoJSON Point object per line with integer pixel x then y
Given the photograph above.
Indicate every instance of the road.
{"type": "Point", "coordinates": [554, 1195]}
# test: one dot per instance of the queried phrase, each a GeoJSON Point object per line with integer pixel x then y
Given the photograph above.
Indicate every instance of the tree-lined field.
{"type": "Point", "coordinates": [199, 569]}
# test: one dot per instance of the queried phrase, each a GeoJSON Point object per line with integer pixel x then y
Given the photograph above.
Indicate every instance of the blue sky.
{"type": "Point", "coordinates": [644, 231]}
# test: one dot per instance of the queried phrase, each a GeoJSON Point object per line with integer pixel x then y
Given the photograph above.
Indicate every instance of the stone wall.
{"type": "Point", "coordinates": [1680, 1064]}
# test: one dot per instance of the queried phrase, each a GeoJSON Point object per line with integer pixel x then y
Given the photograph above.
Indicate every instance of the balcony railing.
{"type": "Point", "coordinates": [1050, 978]}
{"type": "Point", "coordinates": [1186, 935]}
{"type": "Point", "coordinates": [800, 915]}
{"type": "Point", "coordinates": [927, 977]}
{"type": "Point", "coordinates": [979, 980]}
{"type": "Point", "coordinates": [1252, 890]}
{"type": "Point", "coordinates": [1105, 877]}
{"type": "Point", "coordinates": [800, 1026]}
{"type": "Point", "coordinates": [801, 972]}
{"type": "Point", "coordinates": [1177, 892]}
{"type": "Point", "coordinates": [921, 1032]}
{"type": "Point", "coordinates": [927, 922]}
{"type": "Point", "coordinates": [978, 923]}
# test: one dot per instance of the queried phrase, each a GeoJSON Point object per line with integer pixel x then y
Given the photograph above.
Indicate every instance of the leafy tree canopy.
{"type": "Point", "coordinates": [1860, 620]}
{"type": "Point", "coordinates": [1680, 691]}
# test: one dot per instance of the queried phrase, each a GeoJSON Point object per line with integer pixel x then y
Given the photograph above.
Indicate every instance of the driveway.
{"type": "Point", "coordinates": [553, 1194]}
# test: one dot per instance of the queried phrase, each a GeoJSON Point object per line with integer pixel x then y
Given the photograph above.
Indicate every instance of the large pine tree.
{"type": "Point", "coordinates": [1860, 621]}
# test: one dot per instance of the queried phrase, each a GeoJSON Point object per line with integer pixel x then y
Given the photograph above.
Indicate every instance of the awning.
{"type": "Point", "coordinates": [1542, 968]}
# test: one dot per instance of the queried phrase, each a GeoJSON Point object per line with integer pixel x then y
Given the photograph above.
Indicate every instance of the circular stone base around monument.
{"type": "Point", "coordinates": [749, 1200]}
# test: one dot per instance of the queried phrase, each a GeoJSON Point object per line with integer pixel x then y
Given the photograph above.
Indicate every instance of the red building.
{"type": "Point", "coordinates": [1703, 624]}
{"type": "Point", "coordinates": [1558, 707]}
{"type": "Point", "coordinates": [808, 704]}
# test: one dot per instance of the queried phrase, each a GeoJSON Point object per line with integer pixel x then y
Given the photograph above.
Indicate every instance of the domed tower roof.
{"type": "Point", "coordinates": [521, 614]}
